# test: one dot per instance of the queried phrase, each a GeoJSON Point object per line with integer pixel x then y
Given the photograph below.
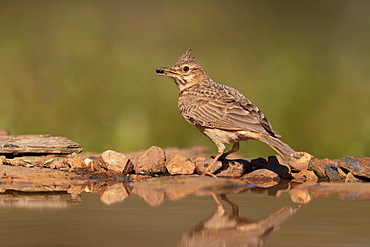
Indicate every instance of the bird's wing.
{"type": "Point", "coordinates": [228, 114]}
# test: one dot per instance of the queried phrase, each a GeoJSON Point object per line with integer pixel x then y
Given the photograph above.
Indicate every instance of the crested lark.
{"type": "Point", "coordinates": [220, 112]}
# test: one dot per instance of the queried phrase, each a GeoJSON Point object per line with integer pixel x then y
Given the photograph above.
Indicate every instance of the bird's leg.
{"type": "Point", "coordinates": [221, 150]}
{"type": "Point", "coordinates": [234, 149]}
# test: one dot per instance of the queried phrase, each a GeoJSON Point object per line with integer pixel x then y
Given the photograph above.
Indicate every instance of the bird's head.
{"type": "Point", "coordinates": [186, 71]}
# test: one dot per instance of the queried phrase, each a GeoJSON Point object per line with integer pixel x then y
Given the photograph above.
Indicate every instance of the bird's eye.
{"type": "Point", "coordinates": [186, 68]}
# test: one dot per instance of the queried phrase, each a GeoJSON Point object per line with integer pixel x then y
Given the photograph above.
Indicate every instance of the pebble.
{"type": "Point", "coordinates": [178, 164]}
{"type": "Point", "coordinates": [151, 160]}
{"type": "Point", "coordinates": [117, 162]}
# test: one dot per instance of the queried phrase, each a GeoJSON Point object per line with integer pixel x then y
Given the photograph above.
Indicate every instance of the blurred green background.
{"type": "Point", "coordinates": [85, 70]}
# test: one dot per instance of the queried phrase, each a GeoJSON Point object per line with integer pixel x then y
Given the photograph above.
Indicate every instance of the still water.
{"type": "Point", "coordinates": [176, 214]}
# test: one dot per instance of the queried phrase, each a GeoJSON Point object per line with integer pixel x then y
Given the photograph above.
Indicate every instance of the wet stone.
{"type": "Point", "coordinates": [359, 166]}
{"type": "Point", "coordinates": [152, 160]}
{"type": "Point", "coordinates": [178, 164]}
{"type": "Point", "coordinates": [117, 162]}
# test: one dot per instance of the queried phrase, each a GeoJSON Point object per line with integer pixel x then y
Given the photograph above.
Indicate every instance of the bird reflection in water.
{"type": "Point", "coordinates": [232, 230]}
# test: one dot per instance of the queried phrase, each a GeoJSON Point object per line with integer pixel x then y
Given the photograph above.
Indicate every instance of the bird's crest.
{"type": "Point", "coordinates": [186, 57]}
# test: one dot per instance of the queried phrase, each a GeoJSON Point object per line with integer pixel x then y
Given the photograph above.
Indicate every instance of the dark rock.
{"type": "Point", "coordinates": [332, 173]}
{"type": "Point", "coordinates": [178, 164]}
{"type": "Point", "coordinates": [117, 162]}
{"type": "Point", "coordinates": [325, 169]}
{"type": "Point", "coordinates": [234, 168]}
{"type": "Point", "coordinates": [202, 163]}
{"type": "Point", "coordinates": [359, 166]}
{"type": "Point", "coordinates": [151, 161]}
{"type": "Point", "coordinates": [282, 170]}
{"type": "Point", "coordinates": [258, 163]}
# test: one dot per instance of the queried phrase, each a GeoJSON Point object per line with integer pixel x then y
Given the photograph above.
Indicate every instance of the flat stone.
{"type": "Point", "coordinates": [117, 162]}
{"type": "Point", "coordinates": [151, 160]}
{"type": "Point", "coordinates": [262, 178]}
{"type": "Point", "coordinates": [202, 163]}
{"type": "Point", "coordinates": [359, 166]}
{"type": "Point", "coordinates": [178, 164]}
{"type": "Point", "coordinates": [234, 168]}
{"type": "Point", "coordinates": [302, 162]}
{"type": "Point", "coordinates": [37, 144]}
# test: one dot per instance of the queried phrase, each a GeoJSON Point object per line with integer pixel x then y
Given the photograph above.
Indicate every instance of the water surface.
{"type": "Point", "coordinates": [149, 215]}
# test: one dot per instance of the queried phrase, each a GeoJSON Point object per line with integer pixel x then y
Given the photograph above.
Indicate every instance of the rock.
{"type": "Point", "coordinates": [262, 178]}
{"type": "Point", "coordinates": [302, 162]}
{"type": "Point", "coordinates": [351, 179]}
{"type": "Point", "coordinates": [95, 163]}
{"type": "Point", "coordinates": [332, 173]}
{"type": "Point", "coordinates": [305, 176]}
{"type": "Point", "coordinates": [178, 164]}
{"type": "Point", "coordinates": [258, 163]}
{"type": "Point", "coordinates": [359, 166]}
{"type": "Point", "coordinates": [151, 161]}
{"type": "Point", "coordinates": [234, 168]}
{"type": "Point", "coordinates": [75, 163]}
{"type": "Point", "coordinates": [274, 165]}
{"type": "Point", "coordinates": [2, 159]}
{"type": "Point", "coordinates": [325, 169]}
{"type": "Point", "coordinates": [201, 164]}
{"type": "Point", "coordinates": [117, 162]}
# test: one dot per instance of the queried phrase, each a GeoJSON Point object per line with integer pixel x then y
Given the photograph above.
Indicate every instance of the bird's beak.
{"type": "Point", "coordinates": [166, 72]}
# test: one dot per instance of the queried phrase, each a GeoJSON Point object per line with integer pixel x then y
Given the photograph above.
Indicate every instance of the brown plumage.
{"type": "Point", "coordinates": [220, 112]}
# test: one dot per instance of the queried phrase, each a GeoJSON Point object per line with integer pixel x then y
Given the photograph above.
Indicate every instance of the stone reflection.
{"type": "Point", "coordinates": [38, 200]}
{"type": "Point", "coordinates": [233, 230]}
{"type": "Point", "coordinates": [155, 191]}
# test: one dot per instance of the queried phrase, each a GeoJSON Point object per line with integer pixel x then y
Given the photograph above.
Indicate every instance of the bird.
{"type": "Point", "coordinates": [220, 112]}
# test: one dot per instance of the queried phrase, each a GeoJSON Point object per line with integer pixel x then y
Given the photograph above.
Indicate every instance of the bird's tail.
{"type": "Point", "coordinates": [279, 146]}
